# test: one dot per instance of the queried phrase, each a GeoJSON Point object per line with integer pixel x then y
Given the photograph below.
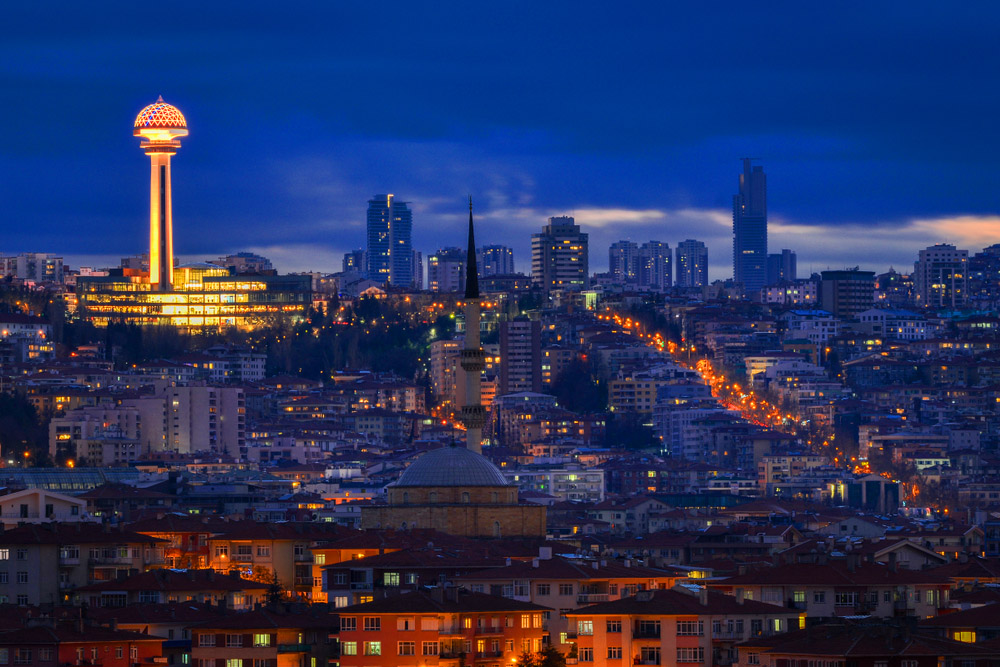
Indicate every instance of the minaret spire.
{"type": "Point", "coordinates": [471, 269]}
{"type": "Point", "coordinates": [473, 414]}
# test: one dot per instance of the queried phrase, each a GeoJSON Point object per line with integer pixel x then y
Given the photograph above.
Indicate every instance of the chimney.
{"type": "Point", "coordinates": [628, 562]}
{"type": "Point", "coordinates": [703, 596]}
{"type": "Point", "coordinates": [437, 594]}
{"type": "Point", "coordinates": [594, 564]}
{"type": "Point", "coordinates": [534, 562]}
{"type": "Point", "coordinates": [892, 561]}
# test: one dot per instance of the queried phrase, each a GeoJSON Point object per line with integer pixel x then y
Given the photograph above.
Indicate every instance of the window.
{"type": "Point", "coordinates": [22, 656]}
{"type": "Point", "coordinates": [405, 624]}
{"type": "Point", "coordinates": [881, 663]}
{"type": "Point", "coordinates": [585, 627]}
{"type": "Point", "coordinates": [565, 589]}
{"type": "Point", "coordinates": [263, 550]}
{"type": "Point", "coordinates": [119, 652]}
{"type": "Point", "coordinates": [690, 628]}
{"type": "Point", "coordinates": [612, 589]}
{"type": "Point", "coordinates": [234, 641]}
{"type": "Point", "coordinates": [649, 655]}
{"type": "Point", "coordinates": [587, 654]}
{"type": "Point", "coordinates": [614, 652]}
{"type": "Point", "coordinates": [4, 554]}
{"type": "Point", "coordinates": [544, 589]}
{"type": "Point", "coordinates": [206, 640]}
{"type": "Point", "coordinates": [319, 559]}
{"type": "Point", "coordinates": [691, 654]}
{"type": "Point", "coordinates": [234, 662]}
{"type": "Point", "coordinates": [4, 659]}
{"type": "Point", "coordinates": [407, 648]}
{"type": "Point", "coordinates": [846, 598]}
{"type": "Point", "coordinates": [373, 624]}
{"type": "Point", "coordinates": [753, 658]}
{"type": "Point", "coordinates": [967, 636]}
{"type": "Point", "coordinates": [430, 648]}
{"type": "Point", "coordinates": [22, 554]}
{"type": "Point", "coordinates": [647, 629]}
{"type": "Point", "coordinates": [222, 551]}
{"type": "Point", "coordinates": [3, 578]}
{"type": "Point", "coordinates": [799, 596]}
{"type": "Point", "coordinates": [46, 654]}
{"type": "Point", "coordinates": [614, 626]}
{"type": "Point", "coordinates": [22, 577]}
{"type": "Point", "coordinates": [149, 597]}
{"type": "Point", "coordinates": [819, 597]}
{"type": "Point", "coordinates": [390, 579]}
{"type": "Point", "coordinates": [373, 648]}
{"type": "Point", "coordinates": [22, 600]}
{"type": "Point", "coordinates": [887, 596]}
{"type": "Point", "coordinates": [258, 662]}
{"type": "Point", "coordinates": [261, 639]}
{"type": "Point", "coordinates": [348, 648]}
{"type": "Point", "coordinates": [525, 620]}
{"type": "Point", "coordinates": [908, 663]}
{"type": "Point", "coordinates": [349, 623]}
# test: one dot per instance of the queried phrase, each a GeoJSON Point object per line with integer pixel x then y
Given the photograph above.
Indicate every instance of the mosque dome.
{"type": "Point", "coordinates": [159, 114]}
{"type": "Point", "coordinates": [451, 466]}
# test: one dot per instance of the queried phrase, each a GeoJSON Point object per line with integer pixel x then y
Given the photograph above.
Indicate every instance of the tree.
{"type": "Point", "coordinates": [550, 656]}
{"type": "Point", "coordinates": [579, 389]}
{"type": "Point", "coordinates": [528, 659]}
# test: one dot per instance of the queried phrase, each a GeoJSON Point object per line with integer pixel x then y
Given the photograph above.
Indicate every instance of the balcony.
{"type": "Point", "coordinates": [591, 598]}
{"type": "Point", "coordinates": [361, 585]}
{"type": "Point", "coordinates": [646, 633]}
{"type": "Point", "coordinates": [303, 558]}
{"type": "Point", "coordinates": [489, 654]}
{"type": "Point", "coordinates": [646, 661]}
{"type": "Point", "coordinates": [451, 630]}
{"type": "Point", "coordinates": [293, 648]}
{"type": "Point", "coordinates": [69, 560]}
{"type": "Point", "coordinates": [242, 558]}
{"type": "Point", "coordinates": [724, 635]}
{"type": "Point", "coordinates": [304, 581]}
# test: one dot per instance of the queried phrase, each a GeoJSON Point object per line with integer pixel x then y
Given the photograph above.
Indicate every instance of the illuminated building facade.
{"type": "Point", "coordinates": [195, 296]}
{"type": "Point", "coordinates": [559, 256]}
{"type": "Point", "coordinates": [390, 250]}
{"type": "Point", "coordinates": [750, 229]}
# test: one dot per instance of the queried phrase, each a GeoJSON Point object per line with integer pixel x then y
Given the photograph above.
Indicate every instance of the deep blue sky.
{"type": "Point", "coordinates": [876, 123]}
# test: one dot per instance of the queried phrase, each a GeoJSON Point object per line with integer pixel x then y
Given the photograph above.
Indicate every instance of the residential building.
{"type": "Point", "coordinates": [495, 260]}
{"type": "Point", "coordinates": [520, 356]}
{"type": "Point", "coordinates": [559, 256]}
{"type": "Point", "coordinates": [623, 262]}
{"type": "Point", "coordinates": [941, 276]}
{"type": "Point", "coordinates": [267, 637]}
{"type": "Point", "coordinates": [781, 267]}
{"type": "Point", "coordinates": [75, 642]}
{"type": "Point", "coordinates": [750, 229]}
{"type": "Point", "coordinates": [245, 262]}
{"type": "Point", "coordinates": [847, 293]}
{"type": "Point", "coordinates": [692, 263]}
{"type": "Point", "coordinates": [682, 625]}
{"type": "Point", "coordinates": [654, 266]}
{"type": "Point", "coordinates": [446, 270]}
{"type": "Point", "coordinates": [354, 261]}
{"type": "Point", "coordinates": [445, 626]}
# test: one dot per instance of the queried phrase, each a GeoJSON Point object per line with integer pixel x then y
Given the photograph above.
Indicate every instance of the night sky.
{"type": "Point", "coordinates": [876, 123]}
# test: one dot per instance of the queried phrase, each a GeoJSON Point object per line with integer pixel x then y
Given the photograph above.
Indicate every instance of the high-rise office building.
{"type": "Point", "coordinates": [750, 229]}
{"type": "Point", "coordinates": [390, 249]}
{"type": "Point", "coordinates": [354, 261]}
{"type": "Point", "coordinates": [446, 270]}
{"type": "Point", "coordinates": [496, 260]}
{"type": "Point", "coordinates": [418, 270]}
{"type": "Point", "coordinates": [560, 256]}
{"type": "Point", "coordinates": [692, 264]}
{"type": "Point", "coordinates": [781, 267]}
{"type": "Point", "coordinates": [623, 262]}
{"type": "Point", "coordinates": [654, 266]}
{"type": "Point", "coordinates": [847, 293]}
{"type": "Point", "coordinates": [941, 276]}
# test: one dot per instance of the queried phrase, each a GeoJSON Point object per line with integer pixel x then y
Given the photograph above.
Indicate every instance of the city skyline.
{"type": "Point", "coordinates": [908, 173]}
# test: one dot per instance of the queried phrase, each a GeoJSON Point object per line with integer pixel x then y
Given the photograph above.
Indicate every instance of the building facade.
{"type": "Point", "coordinates": [750, 229]}
{"type": "Point", "coordinates": [560, 256]}
{"type": "Point", "coordinates": [941, 276]}
{"type": "Point", "coordinates": [389, 254]}
{"type": "Point", "coordinates": [692, 263]}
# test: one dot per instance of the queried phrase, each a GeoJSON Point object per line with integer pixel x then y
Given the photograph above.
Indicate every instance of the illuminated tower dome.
{"type": "Point", "coordinates": [160, 124]}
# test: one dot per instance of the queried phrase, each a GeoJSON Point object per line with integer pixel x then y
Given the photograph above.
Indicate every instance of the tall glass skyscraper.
{"type": "Point", "coordinates": [390, 249]}
{"type": "Point", "coordinates": [750, 229]}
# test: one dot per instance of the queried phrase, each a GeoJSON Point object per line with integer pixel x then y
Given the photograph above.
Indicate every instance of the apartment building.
{"type": "Point", "coordinates": [680, 626]}
{"type": "Point", "coordinates": [268, 637]}
{"type": "Point", "coordinates": [441, 627]}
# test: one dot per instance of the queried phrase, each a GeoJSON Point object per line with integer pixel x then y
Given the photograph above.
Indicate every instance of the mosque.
{"type": "Point", "coordinates": [457, 490]}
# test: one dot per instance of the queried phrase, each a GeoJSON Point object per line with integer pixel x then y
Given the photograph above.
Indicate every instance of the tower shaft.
{"type": "Point", "coordinates": [473, 414]}
{"type": "Point", "coordinates": [161, 234]}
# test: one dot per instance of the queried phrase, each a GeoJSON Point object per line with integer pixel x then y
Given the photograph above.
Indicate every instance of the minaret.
{"type": "Point", "coordinates": [473, 413]}
{"type": "Point", "coordinates": [159, 125]}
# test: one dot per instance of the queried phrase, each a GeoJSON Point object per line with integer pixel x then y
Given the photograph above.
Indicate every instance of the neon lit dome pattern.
{"type": "Point", "coordinates": [160, 114]}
